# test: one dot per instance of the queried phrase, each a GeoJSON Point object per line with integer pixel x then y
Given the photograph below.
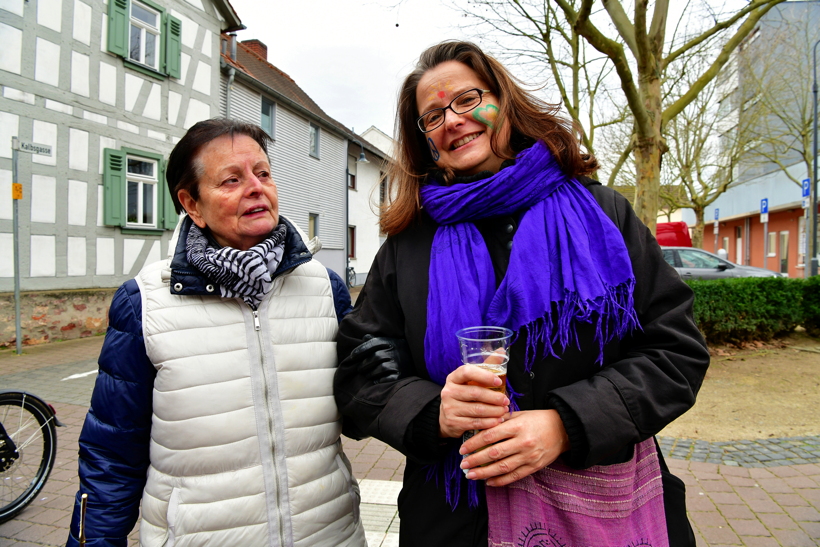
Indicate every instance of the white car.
{"type": "Point", "coordinates": [692, 263]}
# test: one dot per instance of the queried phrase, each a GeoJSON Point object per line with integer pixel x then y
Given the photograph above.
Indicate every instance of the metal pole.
{"type": "Point", "coordinates": [16, 246]}
{"type": "Point", "coordinates": [813, 242]}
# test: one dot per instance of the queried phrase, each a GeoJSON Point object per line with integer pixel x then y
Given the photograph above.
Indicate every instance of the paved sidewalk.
{"type": "Point", "coordinates": [754, 493]}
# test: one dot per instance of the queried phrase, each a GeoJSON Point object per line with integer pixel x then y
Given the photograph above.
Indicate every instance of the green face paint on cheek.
{"type": "Point", "coordinates": [486, 115]}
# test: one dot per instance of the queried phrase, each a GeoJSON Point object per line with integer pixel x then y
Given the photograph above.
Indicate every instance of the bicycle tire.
{"type": "Point", "coordinates": [351, 277]}
{"type": "Point", "coordinates": [37, 449]}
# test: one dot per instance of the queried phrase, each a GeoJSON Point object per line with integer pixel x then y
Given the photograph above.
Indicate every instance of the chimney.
{"type": "Point", "coordinates": [257, 47]}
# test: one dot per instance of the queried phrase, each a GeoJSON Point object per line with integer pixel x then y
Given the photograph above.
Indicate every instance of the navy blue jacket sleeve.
{"type": "Point", "coordinates": [114, 441]}
{"type": "Point", "coordinates": [341, 296]}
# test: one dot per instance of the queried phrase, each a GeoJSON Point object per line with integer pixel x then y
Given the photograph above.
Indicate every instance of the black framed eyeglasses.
{"type": "Point", "coordinates": [463, 103]}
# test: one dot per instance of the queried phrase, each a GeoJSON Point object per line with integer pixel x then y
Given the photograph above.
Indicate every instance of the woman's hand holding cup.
{"type": "Point", "coordinates": [468, 404]}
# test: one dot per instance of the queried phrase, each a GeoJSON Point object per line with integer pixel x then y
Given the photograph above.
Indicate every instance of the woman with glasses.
{"type": "Point", "coordinates": [494, 221]}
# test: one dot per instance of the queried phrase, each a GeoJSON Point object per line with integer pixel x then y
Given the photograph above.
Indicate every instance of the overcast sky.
{"type": "Point", "coordinates": [348, 55]}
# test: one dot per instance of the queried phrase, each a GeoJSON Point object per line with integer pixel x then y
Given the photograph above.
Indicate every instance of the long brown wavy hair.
{"type": "Point", "coordinates": [521, 117]}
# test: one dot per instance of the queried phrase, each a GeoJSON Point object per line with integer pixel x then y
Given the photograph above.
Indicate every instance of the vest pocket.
{"type": "Point", "coordinates": [352, 484]}
{"type": "Point", "coordinates": [173, 506]}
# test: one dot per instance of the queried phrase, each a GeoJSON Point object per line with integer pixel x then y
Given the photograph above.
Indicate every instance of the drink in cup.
{"type": "Point", "coordinates": [487, 348]}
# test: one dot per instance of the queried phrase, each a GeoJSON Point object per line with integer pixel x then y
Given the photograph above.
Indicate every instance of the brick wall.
{"type": "Point", "coordinates": [47, 316]}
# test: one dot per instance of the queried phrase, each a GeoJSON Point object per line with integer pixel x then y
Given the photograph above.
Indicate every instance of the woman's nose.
{"type": "Point", "coordinates": [451, 119]}
{"type": "Point", "coordinates": [252, 184]}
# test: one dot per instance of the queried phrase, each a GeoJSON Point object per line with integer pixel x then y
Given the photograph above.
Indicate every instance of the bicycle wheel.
{"type": "Point", "coordinates": [29, 444]}
{"type": "Point", "coordinates": [351, 277]}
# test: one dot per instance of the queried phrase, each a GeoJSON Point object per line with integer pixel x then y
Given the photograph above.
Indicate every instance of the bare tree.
{"type": "Point", "coordinates": [640, 53]}
{"type": "Point", "coordinates": [708, 143]}
{"type": "Point", "coordinates": [546, 50]}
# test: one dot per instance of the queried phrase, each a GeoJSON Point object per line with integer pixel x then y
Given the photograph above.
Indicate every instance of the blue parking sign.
{"type": "Point", "coordinates": [717, 213]}
{"type": "Point", "coordinates": [806, 188]}
{"type": "Point", "coordinates": [764, 206]}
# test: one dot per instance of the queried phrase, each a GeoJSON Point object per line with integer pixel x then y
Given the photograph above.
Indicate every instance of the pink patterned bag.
{"type": "Point", "coordinates": [617, 505]}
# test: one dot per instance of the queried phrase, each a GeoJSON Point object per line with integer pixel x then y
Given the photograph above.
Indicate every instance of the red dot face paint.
{"type": "Point", "coordinates": [441, 94]}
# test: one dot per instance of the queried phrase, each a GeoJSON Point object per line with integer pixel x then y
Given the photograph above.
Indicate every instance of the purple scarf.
{"type": "Point", "coordinates": [568, 264]}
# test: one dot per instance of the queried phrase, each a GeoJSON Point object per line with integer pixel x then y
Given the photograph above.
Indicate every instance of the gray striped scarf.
{"type": "Point", "coordinates": [245, 274]}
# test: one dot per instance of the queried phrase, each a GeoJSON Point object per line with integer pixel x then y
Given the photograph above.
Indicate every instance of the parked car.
{"type": "Point", "coordinates": [694, 263]}
{"type": "Point", "coordinates": [673, 234]}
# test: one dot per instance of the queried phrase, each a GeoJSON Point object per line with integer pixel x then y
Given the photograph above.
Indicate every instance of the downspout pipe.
{"type": "Point", "coordinates": [231, 75]}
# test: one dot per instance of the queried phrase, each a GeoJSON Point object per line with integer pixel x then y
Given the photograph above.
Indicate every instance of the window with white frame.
{"type": "Point", "coordinates": [772, 241]}
{"type": "Point", "coordinates": [314, 140]}
{"type": "Point", "coordinates": [144, 34]}
{"type": "Point", "coordinates": [268, 118]}
{"type": "Point", "coordinates": [141, 193]}
{"type": "Point", "coordinates": [313, 225]}
{"type": "Point", "coordinates": [135, 194]}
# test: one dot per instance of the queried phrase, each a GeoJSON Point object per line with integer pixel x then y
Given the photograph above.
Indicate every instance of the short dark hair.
{"type": "Point", "coordinates": [183, 170]}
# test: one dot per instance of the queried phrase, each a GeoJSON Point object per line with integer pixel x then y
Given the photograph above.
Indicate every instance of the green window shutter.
{"type": "Point", "coordinates": [173, 46]}
{"type": "Point", "coordinates": [114, 187]}
{"type": "Point", "coordinates": [170, 217]}
{"type": "Point", "coordinates": [118, 27]}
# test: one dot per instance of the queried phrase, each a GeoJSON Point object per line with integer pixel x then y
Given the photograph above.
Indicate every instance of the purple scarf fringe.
{"type": "Point", "coordinates": [568, 264]}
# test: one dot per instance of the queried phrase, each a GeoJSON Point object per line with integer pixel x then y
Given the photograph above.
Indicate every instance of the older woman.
{"type": "Point", "coordinates": [213, 406]}
{"type": "Point", "coordinates": [494, 222]}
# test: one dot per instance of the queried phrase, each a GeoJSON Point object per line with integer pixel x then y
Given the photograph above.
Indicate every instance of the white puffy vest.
{"type": "Point", "coordinates": [245, 447]}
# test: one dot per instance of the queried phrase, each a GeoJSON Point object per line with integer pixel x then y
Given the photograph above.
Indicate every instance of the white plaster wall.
{"type": "Point", "coordinates": [207, 44]}
{"type": "Point", "coordinates": [82, 22]}
{"type": "Point", "coordinates": [185, 62]}
{"type": "Point", "coordinates": [189, 29]}
{"type": "Point", "coordinates": [12, 51]}
{"type": "Point", "coordinates": [45, 133]}
{"type": "Point", "coordinates": [47, 62]}
{"type": "Point", "coordinates": [6, 255]}
{"type": "Point", "coordinates": [12, 6]}
{"type": "Point", "coordinates": [154, 255]}
{"type": "Point", "coordinates": [104, 32]}
{"type": "Point", "coordinates": [105, 256]}
{"type": "Point", "coordinates": [130, 127]}
{"type": "Point", "coordinates": [17, 95]}
{"type": "Point", "coordinates": [197, 111]}
{"type": "Point", "coordinates": [59, 107]}
{"type": "Point", "coordinates": [79, 73]}
{"type": "Point", "coordinates": [43, 199]}
{"type": "Point", "coordinates": [100, 198]}
{"type": "Point", "coordinates": [202, 80]}
{"type": "Point", "coordinates": [50, 13]}
{"type": "Point", "coordinates": [77, 202]}
{"type": "Point", "coordinates": [6, 210]}
{"type": "Point", "coordinates": [156, 135]}
{"type": "Point", "coordinates": [174, 100]}
{"type": "Point", "coordinates": [98, 118]}
{"type": "Point", "coordinates": [75, 256]}
{"type": "Point", "coordinates": [8, 129]}
{"type": "Point", "coordinates": [195, 3]}
{"type": "Point", "coordinates": [130, 251]}
{"type": "Point", "coordinates": [105, 142]}
{"type": "Point", "coordinates": [108, 84]}
{"type": "Point", "coordinates": [43, 262]}
{"type": "Point", "coordinates": [153, 107]}
{"type": "Point", "coordinates": [133, 85]}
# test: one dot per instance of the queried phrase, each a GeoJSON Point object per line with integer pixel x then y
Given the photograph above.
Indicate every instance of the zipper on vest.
{"type": "Point", "coordinates": [279, 506]}
{"type": "Point", "coordinates": [256, 324]}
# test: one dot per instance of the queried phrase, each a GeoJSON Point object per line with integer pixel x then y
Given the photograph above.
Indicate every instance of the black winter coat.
{"type": "Point", "coordinates": [647, 380]}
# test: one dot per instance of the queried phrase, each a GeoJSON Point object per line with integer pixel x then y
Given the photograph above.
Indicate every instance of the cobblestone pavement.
{"type": "Point", "coordinates": [754, 493]}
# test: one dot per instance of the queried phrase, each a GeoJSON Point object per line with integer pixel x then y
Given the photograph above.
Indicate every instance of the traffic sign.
{"type": "Point", "coordinates": [764, 206]}
{"type": "Point", "coordinates": [806, 184]}
{"type": "Point", "coordinates": [717, 213]}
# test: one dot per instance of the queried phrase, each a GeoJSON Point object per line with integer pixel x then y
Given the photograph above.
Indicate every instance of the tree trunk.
{"type": "Point", "coordinates": [649, 147]}
{"type": "Point", "coordinates": [697, 232]}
